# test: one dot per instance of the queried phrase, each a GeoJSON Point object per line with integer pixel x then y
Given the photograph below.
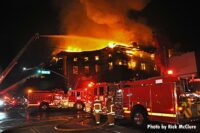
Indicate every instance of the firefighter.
{"type": "Point", "coordinates": [97, 110]}
{"type": "Point", "coordinates": [186, 109]}
{"type": "Point", "coordinates": [110, 108]}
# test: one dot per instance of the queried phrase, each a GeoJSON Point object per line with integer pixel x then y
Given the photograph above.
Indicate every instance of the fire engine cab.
{"type": "Point", "coordinates": [158, 99]}
{"type": "Point", "coordinates": [46, 99]}
{"type": "Point", "coordinates": [76, 98]}
{"type": "Point", "coordinates": [163, 99]}
{"type": "Point", "coordinates": [84, 98]}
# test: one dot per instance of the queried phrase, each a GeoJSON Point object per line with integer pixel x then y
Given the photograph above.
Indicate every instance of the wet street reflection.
{"type": "Point", "coordinates": [2, 116]}
{"type": "Point", "coordinates": [46, 121]}
{"type": "Point", "coordinates": [18, 117]}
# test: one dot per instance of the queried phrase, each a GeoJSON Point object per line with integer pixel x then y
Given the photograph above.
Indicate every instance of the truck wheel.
{"type": "Point", "coordinates": [139, 117]}
{"type": "Point", "coordinates": [44, 106]}
{"type": "Point", "coordinates": [79, 106]}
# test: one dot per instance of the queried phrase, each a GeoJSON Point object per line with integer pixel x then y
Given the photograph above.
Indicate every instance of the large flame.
{"type": "Point", "coordinates": [71, 43]}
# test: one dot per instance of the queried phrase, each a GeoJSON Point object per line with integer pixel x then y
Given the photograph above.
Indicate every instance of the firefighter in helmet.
{"type": "Point", "coordinates": [110, 108]}
{"type": "Point", "coordinates": [97, 110]}
{"type": "Point", "coordinates": [186, 108]}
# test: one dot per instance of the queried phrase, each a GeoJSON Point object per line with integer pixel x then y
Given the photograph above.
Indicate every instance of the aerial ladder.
{"type": "Point", "coordinates": [4, 74]}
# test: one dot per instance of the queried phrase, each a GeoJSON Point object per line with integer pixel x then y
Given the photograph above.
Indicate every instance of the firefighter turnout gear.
{"type": "Point", "coordinates": [186, 109]}
{"type": "Point", "coordinates": [110, 109]}
{"type": "Point", "coordinates": [97, 110]}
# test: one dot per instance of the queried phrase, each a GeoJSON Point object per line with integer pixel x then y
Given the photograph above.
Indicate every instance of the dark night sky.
{"type": "Point", "coordinates": [175, 19]}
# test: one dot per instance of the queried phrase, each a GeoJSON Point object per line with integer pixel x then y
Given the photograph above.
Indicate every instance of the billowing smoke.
{"type": "Point", "coordinates": [106, 19]}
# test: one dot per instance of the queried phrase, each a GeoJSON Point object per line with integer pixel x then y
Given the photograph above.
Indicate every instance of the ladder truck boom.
{"type": "Point", "coordinates": [15, 60]}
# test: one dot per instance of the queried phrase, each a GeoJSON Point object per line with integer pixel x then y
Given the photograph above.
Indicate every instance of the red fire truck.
{"type": "Point", "coordinates": [83, 98]}
{"type": "Point", "coordinates": [162, 99]}
{"type": "Point", "coordinates": [57, 99]}
{"type": "Point", "coordinates": [77, 98]}
{"type": "Point", "coordinates": [46, 99]}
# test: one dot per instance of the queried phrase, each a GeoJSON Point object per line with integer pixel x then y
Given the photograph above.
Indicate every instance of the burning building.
{"type": "Point", "coordinates": [89, 53]}
{"type": "Point", "coordinates": [110, 64]}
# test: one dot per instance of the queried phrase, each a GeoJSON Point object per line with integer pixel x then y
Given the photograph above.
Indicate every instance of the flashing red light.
{"type": "Point", "coordinates": [90, 84]}
{"type": "Point", "coordinates": [30, 91]}
{"type": "Point", "coordinates": [170, 72]}
{"type": "Point", "coordinates": [5, 97]}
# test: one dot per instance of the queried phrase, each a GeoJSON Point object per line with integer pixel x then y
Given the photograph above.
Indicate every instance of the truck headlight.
{"type": "Point", "coordinates": [1, 102]}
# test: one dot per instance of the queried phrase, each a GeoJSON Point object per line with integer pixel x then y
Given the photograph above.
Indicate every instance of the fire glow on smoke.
{"type": "Point", "coordinates": [78, 43]}
{"type": "Point", "coordinates": [107, 20]}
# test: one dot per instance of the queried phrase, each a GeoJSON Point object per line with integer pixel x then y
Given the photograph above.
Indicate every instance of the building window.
{"type": "Point", "coordinates": [131, 64]}
{"type": "Point", "coordinates": [75, 59]}
{"type": "Point", "coordinates": [75, 70]}
{"type": "Point", "coordinates": [152, 56]}
{"type": "Point", "coordinates": [96, 68]}
{"type": "Point", "coordinates": [55, 59]}
{"type": "Point", "coordinates": [86, 69]}
{"type": "Point", "coordinates": [120, 63]}
{"type": "Point", "coordinates": [143, 66]}
{"type": "Point", "coordinates": [86, 58]}
{"type": "Point", "coordinates": [96, 58]}
{"type": "Point", "coordinates": [110, 65]}
{"type": "Point", "coordinates": [155, 68]}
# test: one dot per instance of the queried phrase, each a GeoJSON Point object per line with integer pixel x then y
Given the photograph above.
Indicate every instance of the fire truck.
{"type": "Point", "coordinates": [77, 98]}
{"type": "Point", "coordinates": [83, 98]}
{"type": "Point", "coordinates": [57, 99]}
{"type": "Point", "coordinates": [47, 99]}
{"type": "Point", "coordinates": [161, 99]}
{"type": "Point", "coordinates": [164, 99]}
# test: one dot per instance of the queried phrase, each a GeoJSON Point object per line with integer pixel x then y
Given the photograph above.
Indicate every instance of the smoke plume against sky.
{"type": "Point", "coordinates": [105, 19]}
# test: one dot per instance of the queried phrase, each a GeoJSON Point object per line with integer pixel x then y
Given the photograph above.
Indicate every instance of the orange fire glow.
{"type": "Point", "coordinates": [72, 43]}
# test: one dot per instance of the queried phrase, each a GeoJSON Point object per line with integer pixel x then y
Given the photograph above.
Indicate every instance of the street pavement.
{"type": "Point", "coordinates": [56, 121]}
